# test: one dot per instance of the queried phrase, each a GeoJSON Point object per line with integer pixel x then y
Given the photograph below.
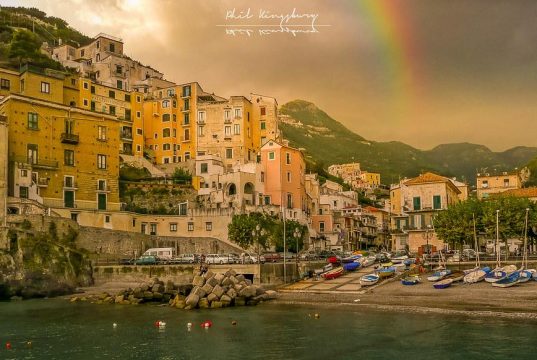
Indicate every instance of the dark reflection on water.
{"type": "Point", "coordinates": [60, 330]}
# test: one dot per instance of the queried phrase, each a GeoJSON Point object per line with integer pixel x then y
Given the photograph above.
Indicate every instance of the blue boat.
{"type": "Point", "coordinates": [508, 281]}
{"type": "Point", "coordinates": [411, 280]}
{"type": "Point", "coordinates": [386, 271]}
{"type": "Point", "coordinates": [351, 266]}
{"type": "Point", "coordinates": [526, 275]}
{"type": "Point", "coordinates": [439, 275]}
{"type": "Point", "coordinates": [409, 262]}
{"type": "Point", "coordinates": [350, 259]}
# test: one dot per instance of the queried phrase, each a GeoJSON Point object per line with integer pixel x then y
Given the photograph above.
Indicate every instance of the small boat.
{"type": "Point", "coordinates": [385, 272]}
{"type": "Point", "coordinates": [332, 274]}
{"type": "Point", "coordinates": [409, 261]}
{"type": "Point", "coordinates": [526, 275]}
{"type": "Point", "coordinates": [411, 280]}
{"type": "Point", "coordinates": [476, 275]}
{"type": "Point", "coordinates": [439, 275]}
{"type": "Point", "coordinates": [399, 259]}
{"type": "Point", "coordinates": [351, 258]}
{"type": "Point", "coordinates": [385, 265]}
{"type": "Point", "coordinates": [456, 276]}
{"type": "Point", "coordinates": [500, 273]}
{"type": "Point", "coordinates": [369, 279]}
{"type": "Point", "coordinates": [467, 271]}
{"type": "Point", "coordinates": [333, 260]}
{"type": "Point", "coordinates": [399, 267]}
{"type": "Point", "coordinates": [442, 284]}
{"type": "Point", "coordinates": [324, 269]}
{"type": "Point", "coordinates": [351, 266]}
{"type": "Point", "coordinates": [508, 281]}
{"type": "Point", "coordinates": [368, 261]}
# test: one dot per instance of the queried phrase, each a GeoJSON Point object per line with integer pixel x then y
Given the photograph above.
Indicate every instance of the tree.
{"type": "Point", "coordinates": [242, 226]}
{"type": "Point", "coordinates": [181, 176]}
{"type": "Point", "coordinates": [24, 46]}
{"type": "Point", "coordinates": [290, 227]}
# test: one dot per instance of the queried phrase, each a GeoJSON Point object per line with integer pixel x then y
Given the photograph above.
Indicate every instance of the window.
{"type": "Point", "coordinates": [288, 176]}
{"type": "Point", "coordinates": [45, 87]}
{"type": "Point", "coordinates": [23, 192]}
{"type": "Point", "coordinates": [173, 227]}
{"type": "Point", "coordinates": [138, 98]}
{"type": "Point", "coordinates": [186, 119]}
{"type": "Point", "coordinates": [92, 89]}
{"type": "Point", "coordinates": [174, 117]}
{"type": "Point", "coordinates": [111, 94]}
{"type": "Point", "coordinates": [166, 103]}
{"type": "Point", "coordinates": [186, 90]}
{"type": "Point", "coordinates": [143, 227]}
{"type": "Point", "coordinates": [321, 226]}
{"type": "Point", "coordinates": [485, 184]}
{"type": "Point", "coordinates": [138, 148]}
{"type": "Point", "coordinates": [33, 121]}
{"type": "Point", "coordinates": [183, 209]}
{"type": "Point", "coordinates": [187, 135]}
{"type": "Point", "coordinates": [112, 47]}
{"type": "Point", "coordinates": [208, 226]}
{"type": "Point", "coordinates": [22, 85]}
{"type": "Point", "coordinates": [170, 92]}
{"type": "Point", "coordinates": [263, 110]}
{"type": "Point", "coordinates": [237, 129]}
{"type": "Point", "coordinates": [262, 176]}
{"type": "Point", "coordinates": [190, 226]}
{"type": "Point", "coordinates": [227, 114]}
{"type": "Point", "coordinates": [73, 82]}
{"type": "Point", "coordinates": [152, 229]}
{"type": "Point", "coordinates": [166, 147]}
{"type": "Point", "coordinates": [267, 200]}
{"type": "Point", "coordinates": [288, 158]}
{"type": "Point", "coordinates": [32, 153]}
{"type": "Point", "coordinates": [229, 153]}
{"type": "Point", "coordinates": [201, 116]}
{"type": "Point", "coordinates": [69, 181]}
{"type": "Point", "coordinates": [174, 131]}
{"type": "Point", "coordinates": [227, 131]}
{"type": "Point", "coordinates": [204, 168]}
{"type": "Point", "coordinates": [24, 173]}
{"type": "Point", "coordinates": [101, 161]}
{"type": "Point", "coordinates": [416, 201]}
{"type": "Point", "coordinates": [101, 185]}
{"type": "Point", "coordinates": [74, 216]}
{"type": "Point", "coordinates": [165, 117]}
{"type": "Point", "coordinates": [271, 155]}
{"type": "Point", "coordinates": [187, 156]}
{"type": "Point", "coordinates": [263, 125]}
{"type": "Point", "coordinates": [5, 84]}
{"type": "Point", "coordinates": [85, 102]}
{"type": "Point", "coordinates": [69, 157]}
{"type": "Point", "coordinates": [186, 104]}
{"type": "Point", "coordinates": [238, 113]}
{"type": "Point", "coordinates": [505, 182]}
{"type": "Point", "coordinates": [437, 202]}
{"type": "Point", "coordinates": [166, 132]}
{"type": "Point", "coordinates": [289, 201]}
{"type": "Point", "coordinates": [112, 110]}
{"type": "Point", "coordinates": [119, 84]}
{"type": "Point", "coordinates": [101, 133]}
{"type": "Point", "coordinates": [138, 114]}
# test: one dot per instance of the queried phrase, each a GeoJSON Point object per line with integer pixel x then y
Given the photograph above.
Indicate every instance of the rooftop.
{"type": "Point", "coordinates": [530, 192]}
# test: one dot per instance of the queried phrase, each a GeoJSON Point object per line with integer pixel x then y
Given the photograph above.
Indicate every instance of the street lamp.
{"type": "Point", "coordinates": [257, 233]}
{"type": "Point", "coordinates": [297, 234]}
{"type": "Point", "coordinates": [427, 240]}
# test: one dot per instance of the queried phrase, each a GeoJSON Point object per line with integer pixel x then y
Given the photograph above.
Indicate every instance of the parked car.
{"type": "Point", "coordinates": [272, 257]}
{"type": "Point", "coordinates": [247, 258]}
{"type": "Point", "coordinates": [234, 258]}
{"type": "Point", "coordinates": [146, 260]}
{"type": "Point", "coordinates": [216, 259]}
{"type": "Point", "coordinates": [185, 259]}
{"type": "Point", "coordinates": [308, 255]}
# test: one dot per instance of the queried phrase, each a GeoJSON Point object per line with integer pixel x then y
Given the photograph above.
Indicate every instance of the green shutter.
{"type": "Point", "coordinates": [69, 199]}
{"type": "Point", "coordinates": [417, 203]}
{"type": "Point", "coordinates": [102, 201]}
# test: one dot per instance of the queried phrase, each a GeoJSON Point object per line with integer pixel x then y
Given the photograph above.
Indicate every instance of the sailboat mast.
{"type": "Point", "coordinates": [525, 258]}
{"type": "Point", "coordinates": [497, 239]}
{"type": "Point", "coordinates": [477, 262]}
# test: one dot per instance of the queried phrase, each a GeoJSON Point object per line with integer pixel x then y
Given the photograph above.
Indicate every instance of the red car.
{"type": "Point", "coordinates": [272, 257]}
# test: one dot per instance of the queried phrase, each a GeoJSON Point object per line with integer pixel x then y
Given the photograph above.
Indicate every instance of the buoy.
{"type": "Point", "coordinates": [206, 324]}
{"type": "Point", "coordinates": [29, 344]}
{"type": "Point", "coordinates": [114, 325]}
{"type": "Point", "coordinates": [8, 346]}
{"type": "Point", "coordinates": [317, 316]}
{"type": "Point", "coordinates": [160, 323]}
{"type": "Point", "coordinates": [234, 323]}
{"type": "Point", "coordinates": [189, 326]}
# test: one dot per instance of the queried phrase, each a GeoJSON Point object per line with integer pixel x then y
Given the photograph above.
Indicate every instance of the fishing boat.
{"type": "Point", "coordinates": [443, 284]}
{"type": "Point", "coordinates": [369, 279]}
{"type": "Point", "coordinates": [332, 274]}
{"type": "Point", "coordinates": [399, 267]}
{"type": "Point", "coordinates": [456, 276]}
{"type": "Point", "coordinates": [323, 270]}
{"type": "Point", "coordinates": [368, 261]}
{"type": "Point", "coordinates": [409, 261]}
{"type": "Point", "coordinates": [508, 281]}
{"type": "Point", "coordinates": [351, 266]}
{"type": "Point", "coordinates": [439, 275]}
{"type": "Point", "coordinates": [476, 275]}
{"type": "Point", "coordinates": [411, 280]}
{"type": "Point", "coordinates": [385, 272]}
{"type": "Point", "coordinates": [351, 258]}
{"type": "Point", "coordinates": [399, 259]}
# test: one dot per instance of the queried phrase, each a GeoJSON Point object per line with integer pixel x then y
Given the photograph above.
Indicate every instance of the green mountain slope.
{"type": "Point", "coordinates": [329, 142]}
{"type": "Point", "coordinates": [532, 167]}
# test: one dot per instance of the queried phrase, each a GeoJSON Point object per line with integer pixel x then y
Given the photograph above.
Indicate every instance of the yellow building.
{"type": "Point", "coordinates": [496, 183]}
{"type": "Point", "coordinates": [370, 178]}
{"type": "Point", "coordinates": [3, 168]}
{"type": "Point", "coordinates": [59, 155]}
{"type": "Point", "coordinates": [9, 82]}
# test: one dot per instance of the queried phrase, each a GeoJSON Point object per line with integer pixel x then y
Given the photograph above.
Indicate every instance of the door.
{"type": "Point", "coordinates": [101, 201]}
{"type": "Point", "coordinates": [69, 199]}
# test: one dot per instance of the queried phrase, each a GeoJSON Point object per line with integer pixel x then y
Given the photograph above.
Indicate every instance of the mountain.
{"type": "Point", "coordinates": [326, 142]}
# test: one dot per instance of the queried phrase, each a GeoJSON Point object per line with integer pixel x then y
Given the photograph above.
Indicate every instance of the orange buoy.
{"type": "Point", "coordinates": [206, 324]}
{"type": "Point", "coordinates": [8, 346]}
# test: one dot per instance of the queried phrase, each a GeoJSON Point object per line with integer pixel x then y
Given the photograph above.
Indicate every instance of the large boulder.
{"type": "Point", "coordinates": [213, 282]}
{"type": "Point", "coordinates": [271, 294]}
{"type": "Point", "coordinates": [225, 300]}
{"type": "Point", "coordinates": [240, 301]}
{"type": "Point", "coordinates": [119, 299]}
{"type": "Point", "coordinates": [226, 281]}
{"type": "Point", "coordinates": [209, 274]}
{"type": "Point", "coordinates": [198, 280]}
{"type": "Point", "coordinates": [234, 280]}
{"type": "Point", "coordinates": [203, 303]}
{"type": "Point", "coordinates": [157, 296]}
{"type": "Point", "coordinates": [192, 300]}
{"type": "Point", "coordinates": [212, 297]}
{"type": "Point", "coordinates": [219, 277]}
{"type": "Point", "coordinates": [180, 304]}
{"type": "Point", "coordinates": [157, 288]}
{"type": "Point", "coordinates": [148, 295]}
{"type": "Point", "coordinates": [207, 288]}
{"type": "Point", "coordinates": [216, 304]}
{"type": "Point", "coordinates": [184, 289]}
{"type": "Point", "coordinates": [248, 282]}
{"type": "Point", "coordinates": [218, 291]}
{"type": "Point", "coordinates": [258, 290]}
{"type": "Point", "coordinates": [198, 291]}
{"type": "Point", "coordinates": [240, 277]}
{"type": "Point", "coordinates": [247, 292]}
{"type": "Point", "coordinates": [232, 293]}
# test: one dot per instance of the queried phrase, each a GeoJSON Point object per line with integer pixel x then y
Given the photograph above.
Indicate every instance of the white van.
{"type": "Point", "coordinates": [161, 253]}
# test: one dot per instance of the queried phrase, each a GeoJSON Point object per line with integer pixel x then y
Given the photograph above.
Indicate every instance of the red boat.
{"type": "Point", "coordinates": [332, 274]}
{"type": "Point", "coordinates": [333, 260]}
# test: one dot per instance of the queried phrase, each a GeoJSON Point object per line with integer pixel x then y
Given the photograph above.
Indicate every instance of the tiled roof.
{"type": "Point", "coordinates": [530, 192]}
{"type": "Point", "coordinates": [430, 177]}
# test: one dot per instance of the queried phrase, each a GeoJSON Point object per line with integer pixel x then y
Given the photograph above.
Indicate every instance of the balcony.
{"type": "Point", "coordinates": [42, 182]}
{"type": "Point", "coordinates": [105, 188]}
{"type": "Point", "coordinates": [68, 138]}
{"type": "Point", "coordinates": [126, 136]}
{"type": "Point", "coordinates": [227, 121]}
{"type": "Point", "coordinates": [70, 186]}
{"type": "Point", "coordinates": [45, 164]}
{"type": "Point", "coordinates": [227, 137]}
{"type": "Point", "coordinates": [201, 122]}
{"type": "Point", "coordinates": [185, 95]}
{"type": "Point", "coordinates": [183, 139]}
{"type": "Point", "coordinates": [120, 74]}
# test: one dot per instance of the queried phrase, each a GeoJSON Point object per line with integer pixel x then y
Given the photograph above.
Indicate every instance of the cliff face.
{"type": "Point", "coordinates": [42, 264]}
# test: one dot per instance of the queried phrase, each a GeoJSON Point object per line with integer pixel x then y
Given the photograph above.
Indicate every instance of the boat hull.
{"type": "Point", "coordinates": [508, 281]}
{"type": "Point", "coordinates": [368, 280]}
{"type": "Point", "coordinates": [351, 266]}
{"type": "Point", "coordinates": [443, 284]}
{"type": "Point", "coordinates": [411, 280]}
{"type": "Point", "coordinates": [332, 274]}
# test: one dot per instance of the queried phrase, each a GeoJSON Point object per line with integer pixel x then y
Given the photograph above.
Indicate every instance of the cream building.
{"type": "Point", "coordinates": [496, 183]}
{"type": "Point", "coordinates": [3, 168]}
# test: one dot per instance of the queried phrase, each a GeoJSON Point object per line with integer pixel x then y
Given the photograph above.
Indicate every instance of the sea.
{"type": "Point", "coordinates": [58, 329]}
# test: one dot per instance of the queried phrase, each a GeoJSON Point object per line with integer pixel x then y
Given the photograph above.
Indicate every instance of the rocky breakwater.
{"type": "Point", "coordinates": [209, 290]}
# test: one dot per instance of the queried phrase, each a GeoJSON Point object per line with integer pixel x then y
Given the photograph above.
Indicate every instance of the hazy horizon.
{"type": "Point", "coordinates": [420, 72]}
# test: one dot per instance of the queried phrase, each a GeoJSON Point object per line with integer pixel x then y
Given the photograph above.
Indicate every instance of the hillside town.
{"type": "Point", "coordinates": [68, 135]}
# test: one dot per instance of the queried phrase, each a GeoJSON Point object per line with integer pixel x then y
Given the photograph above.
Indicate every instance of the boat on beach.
{"type": "Point", "coordinates": [368, 261]}
{"type": "Point", "coordinates": [351, 258]}
{"type": "Point", "coordinates": [332, 274]}
{"type": "Point", "coordinates": [500, 273]}
{"type": "Point", "coordinates": [351, 266]}
{"type": "Point", "coordinates": [439, 275]}
{"type": "Point", "coordinates": [369, 279]}
{"type": "Point", "coordinates": [526, 275]}
{"type": "Point", "coordinates": [386, 270]}
{"type": "Point", "coordinates": [508, 281]}
{"type": "Point", "coordinates": [443, 284]}
{"type": "Point", "coordinates": [476, 275]}
{"type": "Point", "coordinates": [411, 280]}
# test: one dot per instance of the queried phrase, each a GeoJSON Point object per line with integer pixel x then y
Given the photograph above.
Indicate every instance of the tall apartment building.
{"type": "Point", "coordinates": [3, 168]}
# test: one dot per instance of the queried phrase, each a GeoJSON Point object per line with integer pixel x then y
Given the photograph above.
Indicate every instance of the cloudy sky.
{"type": "Point", "coordinates": [419, 71]}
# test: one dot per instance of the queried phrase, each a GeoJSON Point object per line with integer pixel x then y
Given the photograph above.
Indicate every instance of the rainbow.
{"type": "Point", "coordinates": [398, 52]}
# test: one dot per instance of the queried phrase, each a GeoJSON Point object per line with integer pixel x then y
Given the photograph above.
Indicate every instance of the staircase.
{"type": "Point", "coordinates": [140, 161]}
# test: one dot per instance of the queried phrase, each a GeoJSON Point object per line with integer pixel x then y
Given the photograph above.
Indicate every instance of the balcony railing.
{"type": "Point", "coordinates": [68, 138]}
{"type": "Point", "coordinates": [227, 121]}
{"type": "Point", "coordinates": [42, 182]}
{"type": "Point", "coordinates": [126, 136]}
{"type": "Point", "coordinates": [40, 163]}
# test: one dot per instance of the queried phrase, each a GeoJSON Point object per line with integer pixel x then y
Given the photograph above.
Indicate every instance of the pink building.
{"type": "Point", "coordinates": [284, 177]}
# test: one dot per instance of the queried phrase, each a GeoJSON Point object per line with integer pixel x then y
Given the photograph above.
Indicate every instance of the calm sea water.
{"type": "Point", "coordinates": [60, 330]}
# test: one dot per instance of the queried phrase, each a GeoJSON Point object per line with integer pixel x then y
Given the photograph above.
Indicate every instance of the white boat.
{"type": "Point", "coordinates": [439, 275]}
{"type": "Point", "coordinates": [399, 259]}
{"type": "Point", "coordinates": [399, 267]}
{"type": "Point", "coordinates": [526, 275]}
{"type": "Point", "coordinates": [368, 261]}
{"type": "Point", "coordinates": [369, 279]}
{"type": "Point", "coordinates": [476, 275]}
